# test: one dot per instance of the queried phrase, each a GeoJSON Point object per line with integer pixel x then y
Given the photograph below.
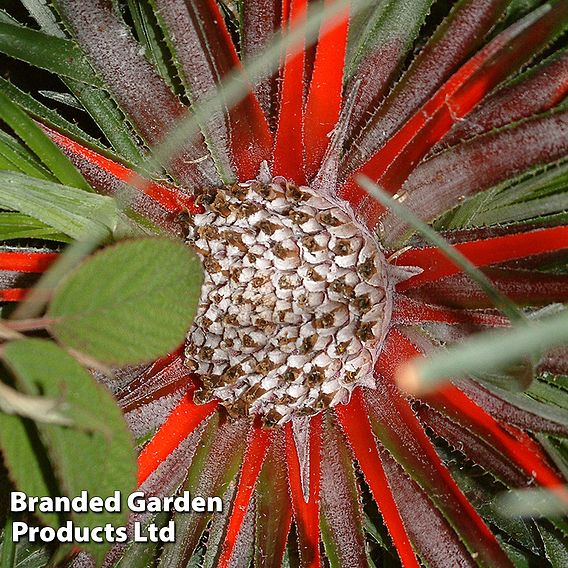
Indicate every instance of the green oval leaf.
{"type": "Point", "coordinates": [94, 454]}
{"type": "Point", "coordinates": [130, 303]}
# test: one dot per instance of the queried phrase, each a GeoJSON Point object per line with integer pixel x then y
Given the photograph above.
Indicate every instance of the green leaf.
{"type": "Point", "coordinates": [25, 459]}
{"type": "Point", "coordinates": [555, 546]}
{"type": "Point", "coordinates": [147, 31]}
{"type": "Point", "coordinates": [62, 98]}
{"type": "Point", "coordinates": [96, 454]}
{"type": "Point", "coordinates": [389, 23]}
{"type": "Point", "coordinates": [526, 210]}
{"type": "Point", "coordinates": [18, 226]}
{"type": "Point", "coordinates": [98, 103]}
{"type": "Point", "coordinates": [482, 490]}
{"type": "Point", "coordinates": [47, 115]}
{"type": "Point", "coordinates": [21, 158]}
{"type": "Point", "coordinates": [69, 210]}
{"type": "Point", "coordinates": [517, 199]}
{"type": "Point", "coordinates": [518, 557]}
{"type": "Point", "coordinates": [142, 554]}
{"type": "Point", "coordinates": [112, 123]}
{"type": "Point", "coordinates": [499, 300]}
{"type": "Point", "coordinates": [39, 142]}
{"type": "Point", "coordinates": [31, 555]}
{"type": "Point", "coordinates": [8, 551]}
{"type": "Point", "coordinates": [60, 56]}
{"type": "Point", "coordinates": [130, 303]}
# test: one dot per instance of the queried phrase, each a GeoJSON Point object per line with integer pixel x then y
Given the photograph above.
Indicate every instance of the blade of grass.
{"type": "Point", "coordinates": [486, 352]}
{"type": "Point", "coordinates": [502, 302]}
{"type": "Point", "coordinates": [531, 503]}
{"type": "Point", "coordinates": [233, 90]}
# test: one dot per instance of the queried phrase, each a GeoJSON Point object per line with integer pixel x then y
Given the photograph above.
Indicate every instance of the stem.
{"type": "Point", "coordinates": [28, 324]}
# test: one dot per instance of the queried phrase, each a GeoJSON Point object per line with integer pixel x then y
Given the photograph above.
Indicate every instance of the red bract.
{"type": "Point", "coordinates": [444, 130]}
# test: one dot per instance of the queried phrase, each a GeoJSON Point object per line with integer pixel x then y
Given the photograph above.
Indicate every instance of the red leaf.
{"type": "Point", "coordinates": [341, 516]}
{"type": "Point", "coordinates": [27, 261]}
{"type": "Point", "coordinates": [473, 447]}
{"type": "Point", "coordinates": [17, 265]}
{"type": "Point", "coordinates": [289, 150]}
{"type": "Point", "coordinates": [398, 428]}
{"type": "Point", "coordinates": [516, 445]}
{"type": "Point", "coordinates": [159, 202]}
{"type": "Point", "coordinates": [434, 539]}
{"type": "Point", "coordinates": [207, 55]}
{"type": "Point", "coordinates": [521, 286]}
{"type": "Point", "coordinates": [154, 383]}
{"type": "Point", "coordinates": [13, 294]}
{"type": "Point", "coordinates": [215, 465]}
{"type": "Point", "coordinates": [481, 253]}
{"type": "Point", "coordinates": [273, 507]}
{"type": "Point", "coordinates": [186, 417]}
{"type": "Point", "coordinates": [458, 36]}
{"type": "Point", "coordinates": [389, 31]}
{"type": "Point", "coordinates": [140, 92]}
{"type": "Point", "coordinates": [538, 90]}
{"type": "Point", "coordinates": [507, 413]}
{"type": "Point", "coordinates": [499, 58]}
{"type": "Point", "coordinates": [255, 453]}
{"type": "Point", "coordinates": [411, 312]}
{"type": "Point", "coordinates": [556, 361]}
{"type": "Point", "coordinates": [441, 182]}
{"type": "Point", "coordinates": [450, 400]}
{"type": "Point", "coordinates": [306, 514]}
{"type": "Point", "coordinates": [260, 22]}
{"type": "Point", "coordinates": [353, 419]}
{"type": "Point", "coordinates": [324, 96]}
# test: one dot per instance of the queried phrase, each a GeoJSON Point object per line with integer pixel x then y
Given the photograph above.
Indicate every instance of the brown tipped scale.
{"type": "Point", "coordinates": [295, 302]}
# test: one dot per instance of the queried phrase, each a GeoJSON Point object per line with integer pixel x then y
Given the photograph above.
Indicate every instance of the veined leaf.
{"type": "Point", "coordinates": [129, 303]}
{"type": "Point", "coordinates": [96, 453]}
{"type": "Point", "coordinates": [24, 457]}
{"type": "Point", "coordinates": [69, 210]}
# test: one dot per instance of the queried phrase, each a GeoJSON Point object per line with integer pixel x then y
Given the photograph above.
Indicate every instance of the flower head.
{"type": "Point", "coordinates": [284, 390]}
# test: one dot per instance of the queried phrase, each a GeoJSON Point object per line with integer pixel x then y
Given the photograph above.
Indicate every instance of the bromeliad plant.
{"type": "Point", "coordinates": [283, 397]}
